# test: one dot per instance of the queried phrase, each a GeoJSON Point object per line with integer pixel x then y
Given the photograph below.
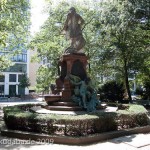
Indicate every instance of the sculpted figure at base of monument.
{"type": "Point", "coordinates": [84, 94]}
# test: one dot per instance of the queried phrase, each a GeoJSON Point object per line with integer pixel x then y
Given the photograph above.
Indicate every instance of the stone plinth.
{"type": "Point", "coordinates": [70, 64]}
{"type": "Point", "coordinates": [74, 64]}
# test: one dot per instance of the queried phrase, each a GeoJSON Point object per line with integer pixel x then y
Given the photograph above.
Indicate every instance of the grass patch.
{"type": "Point", "coordinates": [133, 109]}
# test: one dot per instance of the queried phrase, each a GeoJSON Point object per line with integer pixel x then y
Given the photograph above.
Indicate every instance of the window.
{"type": "Point", "coordinates": [1, 90]}
{"type": "Point", "coordinates": [19, 58]}
{"type": "Point", "coordinates": [14, 58]}
{"type": "Point", "coordinates": [17, 68]}
{"type": "Point", "coordinates": [12, 78]}
{"type": "Point", "coordinates": [12, 90]}
{"type": "Point", "coordinates": [3, 53]}
{"type": "Point", "coordinates": [24, 57]}
{"type": "Point", "coordinates": [2, 78]}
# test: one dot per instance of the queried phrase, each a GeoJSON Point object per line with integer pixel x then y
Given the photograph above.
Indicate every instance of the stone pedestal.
{"type": "Point", "coordinates": [74, 64]}
{"type": "Point", "coordinates": [70, 64]}
{"type": "Point", "coordinates": [74, 61]}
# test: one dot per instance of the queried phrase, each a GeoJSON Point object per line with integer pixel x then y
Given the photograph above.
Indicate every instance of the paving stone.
{"type": "Point", "coordinates": [135, 140]}
{"type": "Point", "coordinates": [108, 145]}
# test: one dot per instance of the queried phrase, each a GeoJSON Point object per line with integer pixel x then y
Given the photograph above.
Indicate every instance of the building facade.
{"type": "Point", "coordinates": [33, 68]}
{"type": "Point", "coordinates": [16, 50]}
{"type": "Point", "coordinates": [10, 78]}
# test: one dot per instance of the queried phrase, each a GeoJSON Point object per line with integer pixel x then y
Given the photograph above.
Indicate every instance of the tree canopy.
{"type": "Point", "coordinates": [125, 37]}
{"type": "Point", "coordinates": [117, 38]}
{"type": "Point", "coordinates": [14, 27]}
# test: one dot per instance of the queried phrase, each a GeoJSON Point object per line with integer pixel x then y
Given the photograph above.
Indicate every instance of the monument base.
{"type": "Point", "coordinates": [73, 85]}
{"type": "Point", "coordinates": [70, 64]}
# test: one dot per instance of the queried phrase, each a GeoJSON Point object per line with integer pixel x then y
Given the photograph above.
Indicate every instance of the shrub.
{"type": "Point", "coordinates": [112, 91]}
{"type": "Point", "coordinates": [139, 91]}
{"type": "Point", "coordinates": [20, 118]}
{"type": "Point", "coordinates": [132, 116]}
{"type": "Point", "coordinates": [146, 91]}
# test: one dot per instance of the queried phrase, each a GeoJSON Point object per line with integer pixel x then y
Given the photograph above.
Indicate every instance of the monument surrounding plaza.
{"type": "Point", "coordinates": [73, 84]}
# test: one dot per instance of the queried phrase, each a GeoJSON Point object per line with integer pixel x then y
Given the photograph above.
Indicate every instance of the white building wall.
{"type": "Point", "coordinates": [33, 68]}
{"type": "Point", "coordinates": [28, 62]}
{"type": "Point", "coordinates": [6, 84]}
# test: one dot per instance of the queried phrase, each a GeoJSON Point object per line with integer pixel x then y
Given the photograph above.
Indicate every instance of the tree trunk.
{"type": "Point", "coordinates": [127, 81]}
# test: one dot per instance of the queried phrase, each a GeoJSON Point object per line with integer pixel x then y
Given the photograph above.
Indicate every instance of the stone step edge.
{"type": "Point", "coordinates": [61, 103]}
{"type": "Point", "coordinates": [83, 140]}
{"type": "Point", "coordinates": [63, 108]}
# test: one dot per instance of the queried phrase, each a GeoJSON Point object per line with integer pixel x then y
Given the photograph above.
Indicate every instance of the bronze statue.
{"type": "Point", "coordinates": [73, 32]}
{"type": "Point", "coordinates": [84, 94]}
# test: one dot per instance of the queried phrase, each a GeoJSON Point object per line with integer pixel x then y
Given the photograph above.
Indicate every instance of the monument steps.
{"type": "Point", "coordinates": [64, 104]}
{"type": "Point", "coordinates": [64, 108]}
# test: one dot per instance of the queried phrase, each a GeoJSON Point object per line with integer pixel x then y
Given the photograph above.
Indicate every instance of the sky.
{"type": "Point", "coordinates": [37, 15]}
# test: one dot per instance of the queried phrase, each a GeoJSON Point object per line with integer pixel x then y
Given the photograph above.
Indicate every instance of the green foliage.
{"type": "Point", "coordinates": [143, 79]}
{"type": "Point", "coordinates": [137, 116]}
{"type": "Point", "coordinates": [45, 77]}
{"type": "Point", "coordinates": [112, 91]}
{"type": "Point", "coordinates": [51, 43]}
{"type": "Point", "coordinates": [14, 19]}
{"type": "Point", "coordinates": [146, 92]}
{"type": "Point", "coordinates": [73, 125]}
{"type": "Point", "coordinates": [125, 42]}
{"type": "Point", "coordinates": [14, 27]}
{"type": "Point", "coordinates": [24, 82]}
{"type": "Point", "coordinates": [5, 63]}
{"type": "Point", "coordinates": [117, 38]}
{"type": "Point", "coordinates": [133, 109]}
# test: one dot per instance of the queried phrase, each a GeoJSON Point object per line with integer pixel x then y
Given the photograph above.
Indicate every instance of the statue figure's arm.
{"type": "Point", "coordinates": [75, 79]}
{"type": "Point", "coordinates": [81, 21]}
{"type": "Point", "coordinates": [75, 83]}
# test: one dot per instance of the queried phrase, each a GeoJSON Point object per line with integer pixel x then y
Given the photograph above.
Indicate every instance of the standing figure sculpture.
{"type": "Point", "coordinates": [73, 32]}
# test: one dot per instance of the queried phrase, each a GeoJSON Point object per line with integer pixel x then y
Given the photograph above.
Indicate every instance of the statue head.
{"type": "Point", "coordinates": [72, 9]}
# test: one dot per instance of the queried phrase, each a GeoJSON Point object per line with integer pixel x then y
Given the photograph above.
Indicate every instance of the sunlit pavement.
{"type": "Point", "coordinates": [19, 102]}
{"type": "Point", "coordinates": [132, 142]}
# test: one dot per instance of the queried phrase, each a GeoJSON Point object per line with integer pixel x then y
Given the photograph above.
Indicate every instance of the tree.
{"type": "Point", "coordinates": [112, 91]}
{"type": "Point", "coordinates": [125, 41]}
{"type": "Point", "coordinates": [116, 39]}
{"type": "Point", "coordinates": [24, 82]}
{"type": "Point", "coordinates": [5, 63]}
{"type": "Point", "coordinates": [14, 27]}
{"type": "Point", "coordinates": [43, 79]}
{"type": "Point", "coordinates": [14, 19]}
